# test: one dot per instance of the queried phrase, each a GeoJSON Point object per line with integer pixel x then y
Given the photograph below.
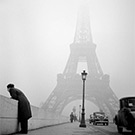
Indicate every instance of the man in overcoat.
{"type": "Point", "coordinates": [24, 109]}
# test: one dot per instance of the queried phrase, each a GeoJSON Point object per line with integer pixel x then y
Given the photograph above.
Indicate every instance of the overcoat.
{"type": "Point", "coordinates": [24, 109]}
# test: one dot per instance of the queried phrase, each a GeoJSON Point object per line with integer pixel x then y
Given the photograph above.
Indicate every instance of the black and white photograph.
{"type": "Point", "coordinates": [67, 67]}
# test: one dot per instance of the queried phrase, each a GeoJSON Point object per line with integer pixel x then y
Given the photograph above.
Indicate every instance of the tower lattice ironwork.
{"type": "Point", "coordinates": [69, 83]}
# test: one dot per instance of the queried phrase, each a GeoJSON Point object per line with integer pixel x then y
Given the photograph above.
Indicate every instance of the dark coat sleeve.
{"type": "Point", "coordinates": [13, 94]}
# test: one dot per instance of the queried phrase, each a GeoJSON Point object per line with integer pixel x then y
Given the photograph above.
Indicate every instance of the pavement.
{"type": "Point", "coordinates": [65, 129]}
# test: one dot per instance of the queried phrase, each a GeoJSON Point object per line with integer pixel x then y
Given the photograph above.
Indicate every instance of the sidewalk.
{"type": "Point", "coordinates": [65, 129]}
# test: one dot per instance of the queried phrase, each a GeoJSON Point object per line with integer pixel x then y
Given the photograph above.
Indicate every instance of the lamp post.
{"type": "Point", "coordinates": [82, 123]}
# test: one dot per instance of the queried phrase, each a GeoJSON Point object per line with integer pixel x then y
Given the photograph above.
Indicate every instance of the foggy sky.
{"type": "Point", "coordinates": [35, 36]}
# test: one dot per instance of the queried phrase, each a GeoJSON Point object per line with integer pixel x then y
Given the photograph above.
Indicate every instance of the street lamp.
{"type": "Point", "coordinates": [82, 124]}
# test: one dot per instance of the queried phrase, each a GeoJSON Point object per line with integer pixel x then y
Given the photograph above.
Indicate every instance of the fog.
{"type": "Point", "coordinates": [35, 36]}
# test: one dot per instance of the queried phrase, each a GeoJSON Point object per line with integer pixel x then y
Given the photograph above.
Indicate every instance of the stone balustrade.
{"type": "Point", "coordinates": [40, 118]}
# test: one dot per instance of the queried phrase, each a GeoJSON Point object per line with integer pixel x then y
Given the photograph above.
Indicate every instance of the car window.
{"type": "Point", "coordinates": [100, 114]}
{"type": "Point", "coordinates": [131, 104]}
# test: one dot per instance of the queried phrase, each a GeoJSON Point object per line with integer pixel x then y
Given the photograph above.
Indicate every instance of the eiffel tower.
{"type": "Point", "coordinates": [69, 83]}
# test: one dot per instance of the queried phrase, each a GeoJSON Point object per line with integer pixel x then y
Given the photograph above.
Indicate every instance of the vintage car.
{"type": "Point", "coordinates": [125, 117]}
{"type": "Point", "coordinates": [99, 118]}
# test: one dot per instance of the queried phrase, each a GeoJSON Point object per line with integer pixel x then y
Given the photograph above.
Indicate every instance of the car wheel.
{"type": "Point", "coordinates": [133, 131]}
{"type": "Point", "coordinates": [120, 129]}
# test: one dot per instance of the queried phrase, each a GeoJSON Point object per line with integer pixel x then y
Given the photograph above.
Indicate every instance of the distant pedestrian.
{"type": "Point", "coordinates": [71, 117]}
{"type": "Point", "coordinates": [24, 109]}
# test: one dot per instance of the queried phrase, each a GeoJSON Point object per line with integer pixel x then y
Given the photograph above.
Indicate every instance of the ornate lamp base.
{"type": "Point", "coordinates": [82, 125]}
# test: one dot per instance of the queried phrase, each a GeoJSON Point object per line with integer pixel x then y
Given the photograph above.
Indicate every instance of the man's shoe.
{"type": "Point", "coordinates": [22, 132]}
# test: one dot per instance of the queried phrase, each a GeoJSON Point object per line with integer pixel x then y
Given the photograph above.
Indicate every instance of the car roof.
{"type": "Point", "coordinates": [100, 112]}
{"type": "Point", "coordinates": [127, 98]}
